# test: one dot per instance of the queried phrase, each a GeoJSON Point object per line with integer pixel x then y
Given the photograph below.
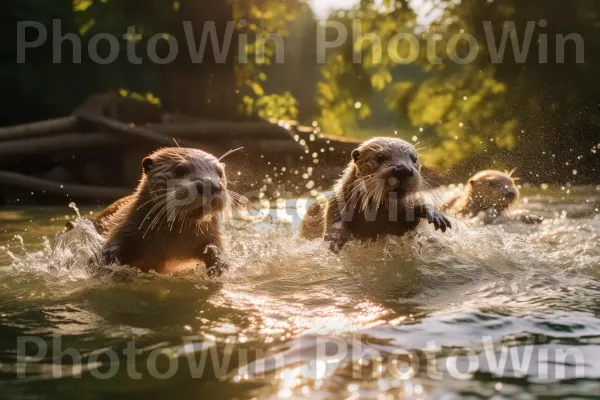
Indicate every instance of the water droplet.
{"type": "Point", "coordinates": [353, 387]}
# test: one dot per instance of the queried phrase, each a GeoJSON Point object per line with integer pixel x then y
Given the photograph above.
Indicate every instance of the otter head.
{"type": "Point", "coordinates": [492, 190]}
{"type": "Point", "coordinates": [387, 165]}
{"type": "Point", "coordinates": [186, 182]}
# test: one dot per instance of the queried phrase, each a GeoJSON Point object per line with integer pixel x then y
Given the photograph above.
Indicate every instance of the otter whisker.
{"type": "Point", "coordinates": [182, 224]}
{"type": "Point", "coordinates": [152, 223]}
{"type": "Point", "coordinates": [156, 199]}
{"type": "Point", "coordinates": [360, 186]}
{"type": "Point", "coordinates": [239, 199]}
{"type": "Point", "coordinates": [369, 195]}
{"type": "Point", "coordinates": [431, 197]}
{"type": "Point", "coordinates": [365, 188]}
{"type": "Point", "coordinates": [152, 209]}
{"type": "Point", "coordinates": [229, 152]}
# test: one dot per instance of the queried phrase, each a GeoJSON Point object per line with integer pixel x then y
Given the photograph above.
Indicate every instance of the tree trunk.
{"type": "Point", "coordinates": [206, 89]}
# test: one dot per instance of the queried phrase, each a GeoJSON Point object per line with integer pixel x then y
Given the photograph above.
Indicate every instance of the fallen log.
{"type": "Point", "coordinates": [38, 128]}
{"type": "Point", "coordinates": [217, 130]}
{"type": "Point", "coordinates": [58, 143]}
{"type": "Point", "coordinates": [68, 189]}
{"type": "Point", "coordinates": [132, 129]}
{"type": "Point", "coordinates": [13, 149]}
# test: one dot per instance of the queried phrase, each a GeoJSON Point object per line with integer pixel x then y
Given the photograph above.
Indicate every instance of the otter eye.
{"type": "Point", "coordinates": [380, 158]}
{"type": "Point", "coordinates": [414, 158]}
{"type": "Point", "coordinates": [180, 171]}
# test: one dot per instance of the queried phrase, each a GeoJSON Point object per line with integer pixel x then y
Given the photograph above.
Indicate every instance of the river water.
{"type": "Point", "coordinates": [503, 311]}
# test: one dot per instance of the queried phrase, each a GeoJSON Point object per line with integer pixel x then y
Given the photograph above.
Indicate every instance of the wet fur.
{"type": "Point", "coordinates": [368, 201]}
{"type": "Point", "coordinates": [145, 230]}
{"type": "Point", "coordinates": [490, 192]}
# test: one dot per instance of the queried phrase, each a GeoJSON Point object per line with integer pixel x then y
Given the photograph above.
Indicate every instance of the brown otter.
{"type": "Point", "coordinates": [171, 220]}
{"type": "Point", "coordinates": [377, 195]}
{"type": "Point", "coordinates": [104, 216]}
{"type": "Point", "coordinates": [491, 192]}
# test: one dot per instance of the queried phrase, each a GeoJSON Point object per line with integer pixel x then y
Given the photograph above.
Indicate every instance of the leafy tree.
{"type": "Point", "coordinates": [347, 85]}
{"type": "Point", "coordinates": [542, 117]}
{"type": "Point", "coordinates": [212, 87]}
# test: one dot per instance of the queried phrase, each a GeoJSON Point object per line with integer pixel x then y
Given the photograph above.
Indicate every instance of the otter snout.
{"type": "Point", "coordinates": [510, 194]}
{"type": "Point", "coordinates": [202, 193]}
{"type": "Point", "coordinates": [402, 172]}
{"type": "Point", "coordinates": [209, 187]}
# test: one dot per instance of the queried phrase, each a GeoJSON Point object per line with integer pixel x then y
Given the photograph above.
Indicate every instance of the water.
{"type": "Point", "coordinates": [507, 311]}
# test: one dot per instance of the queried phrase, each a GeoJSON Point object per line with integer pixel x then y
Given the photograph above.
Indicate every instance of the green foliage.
{"type": "Point", "coordinates": [256, 20]}
{"type": "Point", "coordinates": [263, 18]}
{"type": "Point", "coordinates": [347, 86]}
{"type": "Point", "coordinates": [500, 112]}
{"type": "Point", "coordinates": [147, 97]}
{"type": "Point", "coordinates": [272, 106]}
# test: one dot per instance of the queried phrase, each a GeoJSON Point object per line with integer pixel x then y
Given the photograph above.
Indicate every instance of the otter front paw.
{"type": "Point", "coordinates": [335, 245]}
{"type": "Point", "coordinates": [217, 269]}
{"type": "Point", "coordinates": [336, 239]}
{"type": "Point", "coordinates": [438, 219]}
{"type": "Point", "coordinates": [530, 219]}
{"type": "Point", "coordinates": [215, 260]}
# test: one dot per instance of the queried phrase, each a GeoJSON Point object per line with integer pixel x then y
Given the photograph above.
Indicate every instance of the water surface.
{"type": "Point", "coordinates": [511, 311]}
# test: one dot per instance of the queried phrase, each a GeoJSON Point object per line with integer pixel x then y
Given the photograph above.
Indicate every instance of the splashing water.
{"type": "Point", "coordinates": [422, 316]}
{"type": "Point", "coordinates": [74, 207]}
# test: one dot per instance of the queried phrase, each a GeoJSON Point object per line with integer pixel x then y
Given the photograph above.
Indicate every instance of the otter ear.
{"type": "Point", "coordinates": [472, 182]}
{"type": "Point", "coordinates": [355, 155]}
{"type": "Point", "coordinates": [147, 164]}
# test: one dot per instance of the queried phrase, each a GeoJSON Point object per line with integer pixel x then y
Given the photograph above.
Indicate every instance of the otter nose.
{"type": "Point", "coordinates": [209, 187]}
{"type": "Point", "coordinates": [402, 172]}
{"type": "Point", "coordinates": [510, 194]}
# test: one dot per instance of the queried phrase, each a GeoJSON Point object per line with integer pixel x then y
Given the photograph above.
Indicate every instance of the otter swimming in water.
{"type": "Point", "coordinates": [171, 221]}
{"type": "Point", "coordinates": [490, 192]}
{"type": "Point", "coordinates": [377, 195]}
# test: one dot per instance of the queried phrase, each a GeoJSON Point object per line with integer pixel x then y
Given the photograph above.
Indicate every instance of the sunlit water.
{"type": "Point", "coordinates": [511, 311]}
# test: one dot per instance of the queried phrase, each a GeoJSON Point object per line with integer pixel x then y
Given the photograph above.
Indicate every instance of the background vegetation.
{"type": "Point", "coordinates": [540, 117]}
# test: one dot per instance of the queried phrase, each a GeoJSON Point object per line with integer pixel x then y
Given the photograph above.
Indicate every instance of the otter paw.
{"type": "Point", "coordinates": [336, 239]}
{"type": "Point", "coordinates": [217, 270]}
{"type": "Point", "coordinates": [438, 219]}
{"type": "Point", "coordinates": [335, 246]}
{"type": "Point", "coordinates": [531, 219]}
{"type": "Point", "coordinates": [217, 267]}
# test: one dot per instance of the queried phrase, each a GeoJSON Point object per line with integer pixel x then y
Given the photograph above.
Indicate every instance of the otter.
{"type": "Point", "coordinates": [171, 221]}
{"type": "Point", "coordinates": [490, 192]}
{"type": "Point", "coordinates": [376, 195]}
{"type": "Point", "coordinates": [104, 216]}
